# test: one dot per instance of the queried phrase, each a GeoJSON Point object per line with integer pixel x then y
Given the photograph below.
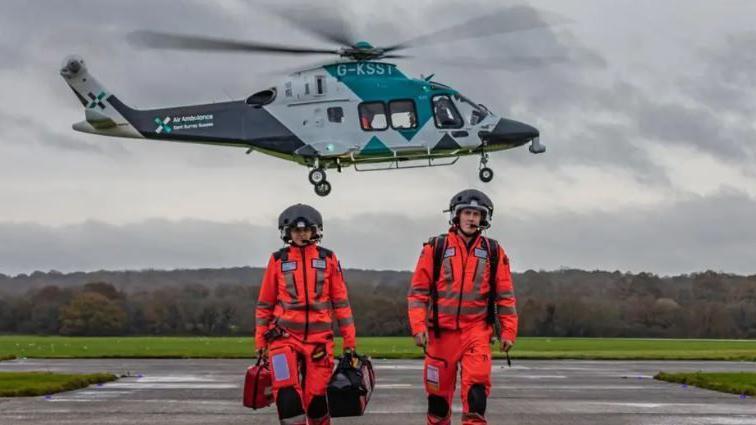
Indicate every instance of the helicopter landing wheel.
{"type": "Point", "coordinates": [486, 174]}
{"type": "Point", "coordinates": [317, 176]}
{"type": "Point", "coordinates": [323, 188]}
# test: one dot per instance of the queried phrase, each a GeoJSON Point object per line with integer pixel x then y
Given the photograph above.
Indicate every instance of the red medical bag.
{"type": "Point", "coordinates": [258, 385]}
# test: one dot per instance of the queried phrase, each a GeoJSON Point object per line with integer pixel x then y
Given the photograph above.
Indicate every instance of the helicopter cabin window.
{"type": "Point", "coordinates": [403, 114]}
{"type": "Point", "coordinates": [319, 84]}
{"type": "Point", "coordinates": [335, 114]}
{"type": "Point", "coordinates": [288, 90]}
{"type": "Point", "coordinates": [445, 113]}
{"type": "Point", "coordinates": [307, 88]}
{"type": "Point", "coordinates": [373, 116]}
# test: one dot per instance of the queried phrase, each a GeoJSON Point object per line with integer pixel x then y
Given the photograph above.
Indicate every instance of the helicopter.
{"type": "Point", "coordinates": [357, 110]}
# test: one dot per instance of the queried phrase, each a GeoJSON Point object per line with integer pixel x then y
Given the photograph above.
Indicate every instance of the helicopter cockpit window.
{"type": "Point", "coordinates": [479, 112]}
{"type": "Point", "coordinates": [262, 98]}
{"type": "Point", "coordinates": [335, 114]}
{"type": "Point", "coordinates": [403, 114]}
{"type": "Point", "coordinates": [445, 113]}
{"type": "Point", "coordinates": [373, 116]}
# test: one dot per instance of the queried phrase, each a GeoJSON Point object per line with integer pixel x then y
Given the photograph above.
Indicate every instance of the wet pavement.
{"type": "Point", "coordinates": [531, 392]}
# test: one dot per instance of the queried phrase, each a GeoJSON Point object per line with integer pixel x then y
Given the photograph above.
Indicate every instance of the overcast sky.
{"type": "Point", "coordinates": [648, 121]}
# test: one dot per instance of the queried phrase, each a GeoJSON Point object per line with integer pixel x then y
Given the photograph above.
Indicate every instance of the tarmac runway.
{"type": "Point", "coordinates": [531, 392]}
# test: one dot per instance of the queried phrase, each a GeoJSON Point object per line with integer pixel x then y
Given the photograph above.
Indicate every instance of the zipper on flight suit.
{"type": "Point", "coordinates": [307, 295]}
{"type": "Point", "coordinates": [462, 282]}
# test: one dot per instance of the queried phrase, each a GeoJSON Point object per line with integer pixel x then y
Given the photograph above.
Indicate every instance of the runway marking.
{"type": "Point", "coordinates": [171, 386]}
{"type": "Point", "coordinates": [398, 367]}
{"type": "Point", "coordinates": [396, 386]}
{"type": "Point", "coordinates": [577, 387]}
{"type": "Point", "coordinates": [177, 378]}
{"type": "Point", "coordinates": [542, 376]}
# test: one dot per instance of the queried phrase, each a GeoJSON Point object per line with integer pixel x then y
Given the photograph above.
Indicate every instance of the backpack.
{"type": "Point", "coordinates": [439, 246]}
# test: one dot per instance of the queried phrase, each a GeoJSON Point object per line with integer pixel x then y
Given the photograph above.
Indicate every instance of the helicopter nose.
{"type": "Point", "coordinates": [509, 132]}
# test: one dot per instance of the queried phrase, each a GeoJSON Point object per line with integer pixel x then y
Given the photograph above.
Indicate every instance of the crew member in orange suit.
{"type": "Point", "coordinates": [461, 286]}
{"type": "Point", "coordinates": [301, 290]}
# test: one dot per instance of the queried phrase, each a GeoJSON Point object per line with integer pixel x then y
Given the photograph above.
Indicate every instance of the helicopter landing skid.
{"type": "Point", "coordinates": [406, 163]}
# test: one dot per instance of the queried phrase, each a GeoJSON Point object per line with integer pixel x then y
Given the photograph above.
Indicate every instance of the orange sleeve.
{"type": "Point", "coordinates": [418, 297]}
{"type": "Point", "coordinates": [340, 304]}
{"type": "Point", "coordinates": [505, 299]}
{"type": "Point", "coordinates": [266, 302]}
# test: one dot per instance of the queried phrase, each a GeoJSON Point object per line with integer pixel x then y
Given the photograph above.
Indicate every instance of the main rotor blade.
{"type": "Point", "coordinates": [326, 24]}
{"type": "Point", "coordinates": [396, 56]}
{"type": "Point", "coordinates": [511, 63]}
{"type": "Point", "coordinates": [161, 40]}
{"type": "Point", "coordinates": [511, 19]}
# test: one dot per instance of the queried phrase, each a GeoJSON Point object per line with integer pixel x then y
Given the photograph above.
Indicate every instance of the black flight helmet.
{"type": "Point", "coordinates": [301, 216]}
{"type": "Point", "coordinates": [475, 199]}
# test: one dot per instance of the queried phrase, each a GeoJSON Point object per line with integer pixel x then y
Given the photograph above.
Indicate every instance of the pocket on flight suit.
{"type": "Point", "coordinates": [283, 364]}
{"type": "Point", "coordinates": [437, 376]}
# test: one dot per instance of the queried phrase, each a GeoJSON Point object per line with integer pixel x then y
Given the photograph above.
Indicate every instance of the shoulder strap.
{"type": "Point", "coordinates": [282, 254]}
{"type": "Point", "coordinates": [439, 245]}
{"type": "Point", "coordinates": [324, 253]}
{"type": "Point", "coordinates": [493, 264]}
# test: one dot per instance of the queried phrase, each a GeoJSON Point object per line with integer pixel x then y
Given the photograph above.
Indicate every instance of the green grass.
{"type": "Point", "coordinates": [28, 384]}
{"type": "Point", "coordinates": [5, 357]}
{"type": "Point", "coordinates": [378, 347]}
{"type": "Point", "coordinates": [735, 382]}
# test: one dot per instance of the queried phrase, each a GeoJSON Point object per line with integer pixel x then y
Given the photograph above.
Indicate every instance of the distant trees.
{"type": "Point", "coordinates": [221, 302]}
{"type": "Point", "coordinates": [92, 314]}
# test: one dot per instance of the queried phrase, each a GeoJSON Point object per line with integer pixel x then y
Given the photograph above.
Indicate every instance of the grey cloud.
{"type": "Point", "coordinates": [24, 130]}
{"type": "Point", "coordinates": [726, 81]}
{"type": "Point", "coordinates": [691, 235]}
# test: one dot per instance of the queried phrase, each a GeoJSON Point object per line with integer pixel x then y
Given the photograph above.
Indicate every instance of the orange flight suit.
{"type": "Point", "coordinates": [465, 335]}
{"type": "Point", "coordinates": [302, 288]}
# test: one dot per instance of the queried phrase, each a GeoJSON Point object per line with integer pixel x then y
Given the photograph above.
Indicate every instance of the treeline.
{"type": "Point", "coordinates": [221, 302]}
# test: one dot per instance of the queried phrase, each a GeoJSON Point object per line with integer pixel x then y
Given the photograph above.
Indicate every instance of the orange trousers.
{"type": "Point", "coordinates": [471, 349]}
{"type": "Point", "coordinates": [301, 371]}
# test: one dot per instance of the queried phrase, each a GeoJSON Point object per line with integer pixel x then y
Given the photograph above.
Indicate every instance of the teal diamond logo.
{"type": "Point", "coordinates": [163, 125]}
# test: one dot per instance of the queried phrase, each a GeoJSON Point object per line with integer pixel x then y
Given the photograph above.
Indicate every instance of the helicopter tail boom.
{"type": "Point", "coordinates": [100, 115]}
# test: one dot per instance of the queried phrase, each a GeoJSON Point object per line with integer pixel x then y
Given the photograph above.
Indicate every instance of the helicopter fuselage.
{"type": "Point", "coordinates": [332, 116]}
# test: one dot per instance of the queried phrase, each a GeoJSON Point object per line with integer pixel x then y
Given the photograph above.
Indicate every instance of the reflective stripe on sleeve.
{"type": "Point", "coordinates": [417, 304]}
{"type": "Point", "coordinates": [418, 291]}
{"type": "Point", "coordinates": [506, 309]}
{"type": "Point", "coordinates": [264, 306]}
{"type": "Point", "coordinates": [340, 303]}
{"type": "Point", "coordinates": [346, 321]}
